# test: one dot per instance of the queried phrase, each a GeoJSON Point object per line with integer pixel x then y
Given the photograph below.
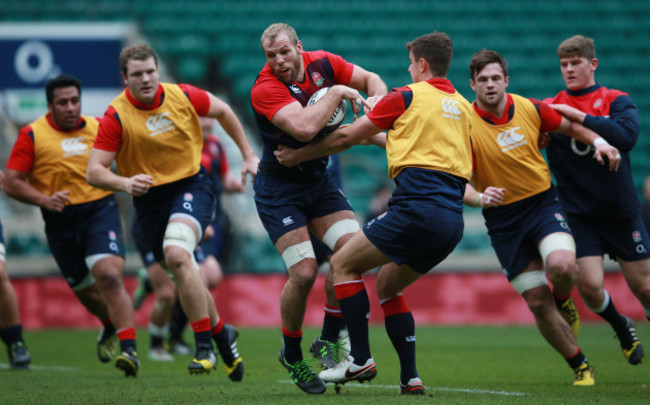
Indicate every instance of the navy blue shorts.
{"type": "Point", "coordinates": [192, 198]}
{"type": "Point", "coordinates": [516, 229]}
{"type": "Point", "coordinates": [417, 233]}
{"type": "Point", "coordinates": [626, 239]}
{"type": "Point", "coordinates": [284, 205]}
{"type": "Point", "coordinates": [83, 230]}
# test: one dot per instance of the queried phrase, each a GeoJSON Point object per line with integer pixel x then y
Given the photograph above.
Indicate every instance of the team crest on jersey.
{"type": "Point", "coordinates": [160, 123]}
{"type": "Point", "coordinates": [450, 109]}
{"type": "Point", "coordinates": [112, 235]}
{"type": "Point", "coordinates": [636, 236]}
{"type": "Point", "coordinates": [598, 103]}
{"type": "Point", "coordinates": [188, 197]}
{"type": "Point", "coordinates": [511, 139]}
{"type": "Point", "coordinates": [74, 146]}
{"type": "Point", "coordinates": [317, 78]}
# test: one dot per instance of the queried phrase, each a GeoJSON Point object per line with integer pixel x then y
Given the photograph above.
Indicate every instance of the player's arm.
{"type": "Point", "coordinates": [99, 174]}
{"type": "Point", "coordinates": [369, 83]}
{"type": "Point", "coordinates": [589, 137]}
{"type": "Point", "coordinates": [233, 127]}
{"type": "Point", "coordinates": [304, 123]}
{"type": "Point", "coordinates": [491, 197]}
{"type": "Point", "coordinates": [338, 141]}
{"type": "Point", "coordinates": [620, 128]}
{"type": "Point", "coordinates": [16, 186]}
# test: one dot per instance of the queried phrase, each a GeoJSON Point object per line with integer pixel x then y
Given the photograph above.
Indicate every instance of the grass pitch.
{"type": "Point", "coordinates": [458, 365]}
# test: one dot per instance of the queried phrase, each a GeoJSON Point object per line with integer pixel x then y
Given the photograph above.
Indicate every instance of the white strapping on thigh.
{"type": "Point", "coordinates": [298, 252]}
{"type": "Point", "coordinates": [556, 241]}
{"type": "Point", "coordinates": [529, 280]}
{"type": "Point", "coordinates": [340, 228]}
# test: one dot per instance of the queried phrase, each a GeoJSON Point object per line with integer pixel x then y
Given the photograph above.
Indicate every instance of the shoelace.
{"type": "Point", "coordinates": [303, 371]}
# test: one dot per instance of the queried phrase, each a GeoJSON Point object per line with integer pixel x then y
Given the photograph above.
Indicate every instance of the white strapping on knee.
{"type": "Point", "coordinates": [181, 235]}
{"type": "Point", "coordinates": [3, 252]}
{"type": "Point", "coordinates": [190, 218]}
{"type": "Point", "coordinates": [603, 305]}
{"type": "Point", "coordinates": [92, 260]}
{"type": "Point", "coordinates": [556, 241]}
{"type": "Point", "coordinates": [298, 252]}
{"type": "Point", "coordinates": [85, 283]}
{"type": "Point", "coordinates": [529, 280]}
{"type": "Point", "coordinates": [340, 228]}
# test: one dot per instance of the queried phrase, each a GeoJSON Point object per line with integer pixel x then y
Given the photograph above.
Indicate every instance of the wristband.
{"type": "Point", "coordinates": [478, 200]}
{"type": "Point", "coordinates": [599, 141]}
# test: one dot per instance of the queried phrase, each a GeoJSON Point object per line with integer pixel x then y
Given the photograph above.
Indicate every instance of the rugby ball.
{"type": "Point", "coordinates": [337, 117]}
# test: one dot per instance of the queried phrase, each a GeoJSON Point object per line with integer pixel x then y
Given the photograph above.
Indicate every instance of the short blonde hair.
{"type": "Point", "coordinates": [276, 29]}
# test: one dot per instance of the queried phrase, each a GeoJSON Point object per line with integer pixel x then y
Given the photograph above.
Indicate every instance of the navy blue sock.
{"type": "Point", "coordinates": [355, 307]}
{"type": "Point", "coordinates": [400, 327]}
{"type": "Point", "coordinates": [331, 326]}
{"type": "Point", "coordinates": [611, 315]}
{"type": "Point", "coordinates": [292, 349]}
{"type": "Point", "coordinates": [576, 360]}
{"type": "Point", "coordinates": [12, 334]}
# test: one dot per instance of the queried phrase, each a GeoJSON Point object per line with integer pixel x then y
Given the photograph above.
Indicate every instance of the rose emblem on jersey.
{"type": "Point", "coordinates": [188, 197]}
{"type": "Point", "coordinates": [317, 78]}
{"type": "Point", "coordinates": [559, 216]}
{"type": "Point", "coordinates": [112, 235]}
{"type": "Point", "coordinates": [636, 236]}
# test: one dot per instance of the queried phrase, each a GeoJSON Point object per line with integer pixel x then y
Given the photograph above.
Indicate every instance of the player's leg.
{"type": "Point", "coordinates": [354, 258]}
{"type": "Point", "coordinates": [637, 275]}
{"type": "Point", "coordinates": [557, 250]}
{"type": "Point", "coordinates": [161, 312]}
{"type": "Point", "coordinates": [532, 285]}
{"type": "Point", "coordinates": [399, 322]}
{"type": "Point", "coordinates": [11, 330]}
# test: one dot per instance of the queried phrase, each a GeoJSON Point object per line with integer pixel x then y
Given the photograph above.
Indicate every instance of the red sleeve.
{"type": "Point", "coordinates": [551, 119]}
{"type": "Point", "coordinates": [269, 95]}
{"type": "Point", "coordinates": [206, 161]}
{"type": "Point", "coordinates": [198, 97]}
{"type": "Point", "coordinates": [342, 69]}
{"type": "Point", "coordinates": [109, 136]}
{"type": "Point", "coordinates": [22, 154]}
{"type": "Point", "coordinates": [389, 108]}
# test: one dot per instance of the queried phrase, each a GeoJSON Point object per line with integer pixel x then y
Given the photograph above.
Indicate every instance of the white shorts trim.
{"type": "Point", "coordinates": [529, 280]}
{"type": "Point", "coordinates": [92, 260]}
{"type": "Point", "coordinates": [340, 228]}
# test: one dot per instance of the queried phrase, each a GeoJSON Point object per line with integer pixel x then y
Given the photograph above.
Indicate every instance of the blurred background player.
{"type": "Point", "coordinates": [523, 215]}
{"type": "Point", "coordinates": [11, 330]}
{"type": "Point", "coordinates": [172, 194]}
{"type": "Point", "coordinates": [602, 206]}
{"type": "Point", "coordinates": [293, 203]}
{"type": "Point", "coordinates": [47, 168]}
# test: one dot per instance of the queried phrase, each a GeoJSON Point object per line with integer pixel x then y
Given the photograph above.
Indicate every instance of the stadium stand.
{"type": "Point", "coordinates": [215, 44]}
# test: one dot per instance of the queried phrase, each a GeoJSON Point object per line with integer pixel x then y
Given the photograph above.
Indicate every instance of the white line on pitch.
{"type": "Point", "coordinates": [465, 390]}
{"type": "Point", "coordinates": [44, 368]}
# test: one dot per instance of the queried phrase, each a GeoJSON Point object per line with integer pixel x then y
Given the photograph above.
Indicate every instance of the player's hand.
{"type": "Point", "coordinates": [139, 184]}
{"type": "Point", "coordinates": [371, 101]}
{"type": "Point", "coordinates": [209, 233]}
{"type": "Point", "coordinates": [57, 201]}
{"type": "Point", "coordinates": [492, 196]}
{"type": "Point", "coordinates": [356, 99]}
{"type": "Point", "coordinates": [286, 156]}
{"type": "Point", "coordinates": [543, 140]}
{"type": "Point", "coordinates": [249, 166]}
{"type": "Point", "coordinates": [570, 112]}
{"type": "Point", "coordinates": [612, 154]}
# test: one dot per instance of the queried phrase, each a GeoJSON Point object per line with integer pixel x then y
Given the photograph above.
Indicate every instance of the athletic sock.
{"type": "Point", "coordinates": [576, 360]}
{"type": "Point", "coordinates": [353, 298]}
{"type": "Point", "coordinates": [608, 312]}
{"type": "Point", "coordinates": [332, 322]}
{"type": "Point", "coordinates": [400, 327]}
{"type": "Point", "coordinates": [292, 349]}
{"type": "Point", "coordinates": [12, 334]}
{"type": "Point", "coordinates": [202, 333]}
{"type": "Point", "coordinates": [219, 333]}
{"type": "Point", "coordinates": [127, 339]}
{"type": "Point", "coordinates": [157, 334]}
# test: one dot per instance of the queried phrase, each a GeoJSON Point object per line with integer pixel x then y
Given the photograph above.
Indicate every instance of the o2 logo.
{"type": "Point", "coordinates": [34, 62]}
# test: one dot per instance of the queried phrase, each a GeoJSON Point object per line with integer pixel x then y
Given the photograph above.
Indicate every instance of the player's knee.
{"type": "Point", "coordinates": [561, 264]}
{"type": "Point", "coordinates": [295, 254]}
{"type": "Point", "coordinates": [343, 228]}
{"type": "Point", "coordinates": [179, 242]}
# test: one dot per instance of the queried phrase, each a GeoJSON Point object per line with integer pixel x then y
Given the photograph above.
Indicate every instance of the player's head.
{"type": "Point", "coordinates": [489, 78]}
{"type": "Point", "coordinates": [435, 49]}
{"type": "Point", "coordinates": [283, 51]}
{"type": "Point", "coordinates": [578, 62]}
{"type": "Point", "coordinates": [139, 67]}
{"type": "Point", "coordinates": [63, 95]}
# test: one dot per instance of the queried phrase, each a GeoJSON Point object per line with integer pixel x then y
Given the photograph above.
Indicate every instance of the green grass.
{"type": "Point", "coordinates": [459, 365]}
